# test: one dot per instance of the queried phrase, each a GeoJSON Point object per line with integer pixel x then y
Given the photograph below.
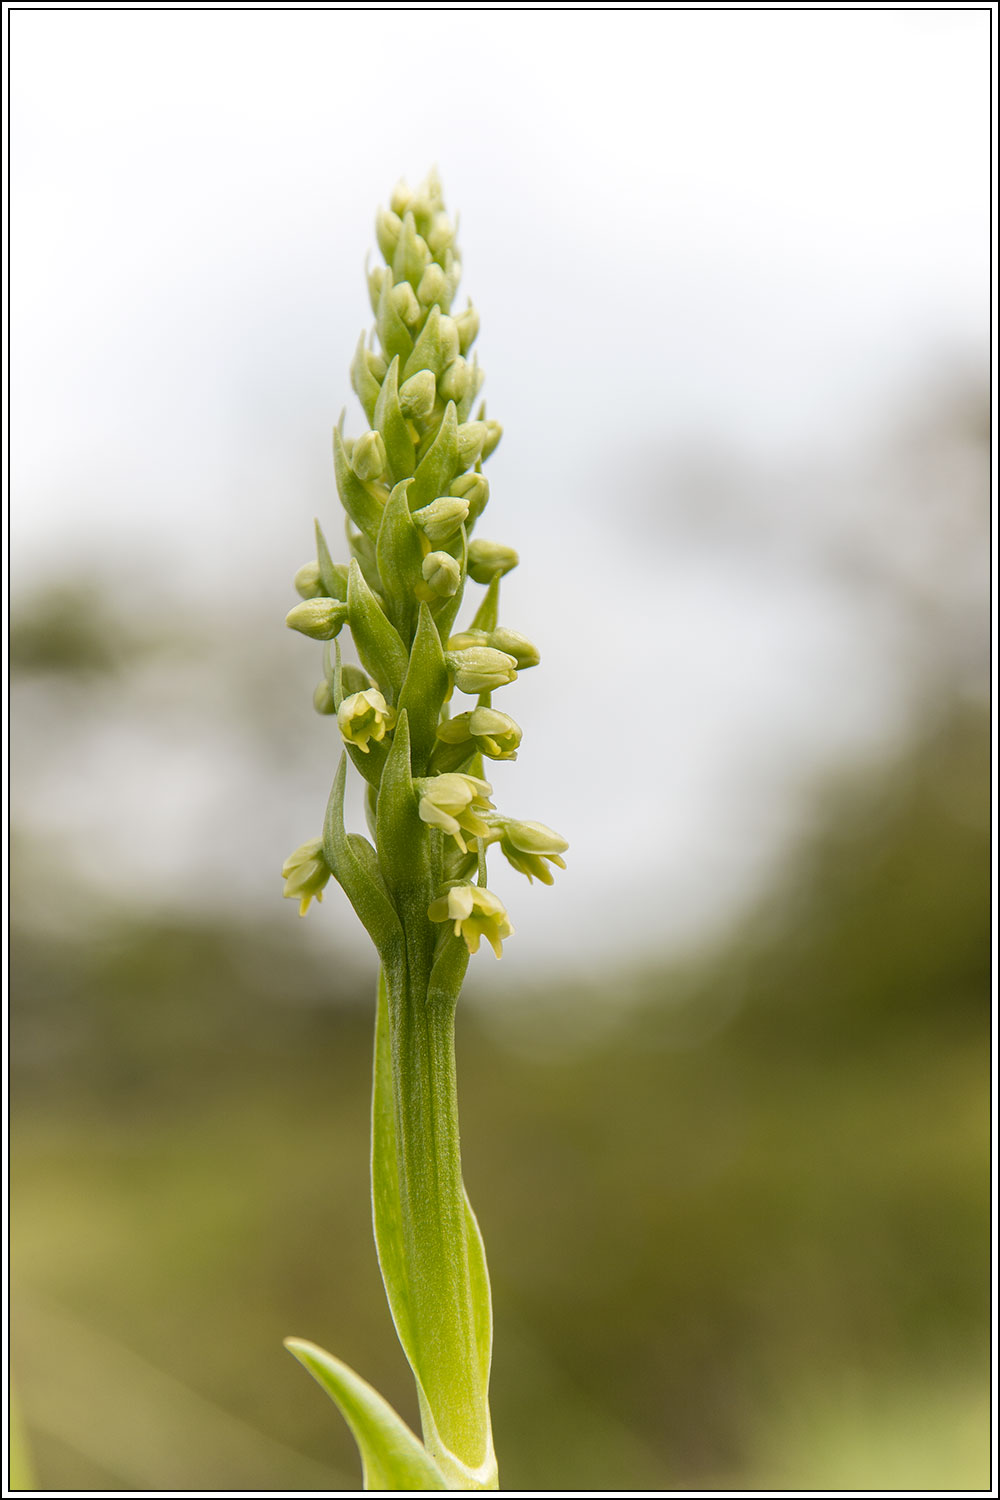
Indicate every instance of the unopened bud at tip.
{"type": "Point", "coordinates": [401, 198]}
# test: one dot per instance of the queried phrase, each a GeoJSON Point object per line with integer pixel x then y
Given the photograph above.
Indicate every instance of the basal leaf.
{"type": "Point", "coordinates": [392, 1457]}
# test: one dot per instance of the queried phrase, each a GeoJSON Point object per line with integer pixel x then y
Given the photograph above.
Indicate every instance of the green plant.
{"type": "Point", "coordinates": [413, 489]}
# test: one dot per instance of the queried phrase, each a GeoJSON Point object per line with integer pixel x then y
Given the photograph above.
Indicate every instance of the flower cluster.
{"type": "Point", "coordinates": [413, 489]}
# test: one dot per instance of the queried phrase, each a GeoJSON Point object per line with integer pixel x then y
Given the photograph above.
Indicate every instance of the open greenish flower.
{"type": "Point", "coordinates": [454, 803]}
{"type": "Point", "coordinates": [365, 716]}
{"type": "Point", "coordinates": [476, 913]}
{"type": "Point", "coordinates": [306, 872]}
{"type": "Point", "coordinates": [528, 845]}
{"type": "Point", "coordinates": [496, 735]}
{"type": "Point", "coordinates": [510, 642]}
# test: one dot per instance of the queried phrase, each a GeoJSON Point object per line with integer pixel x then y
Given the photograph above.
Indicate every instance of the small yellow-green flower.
{"type": "Point", "coordinates": [454, 803]}
{"type": "Point", "coordinates": [510, 642]}
{"type": "Point", "coordinates": [306, 872]}
{"type": "Point", "coordinates": [496, 735]}
{"type": "Point", "coordinates": [476, 913]}
{"type": "Point", "coordinates": [528, 845]}
{"type": "Point", "coordinates": [365, 716]}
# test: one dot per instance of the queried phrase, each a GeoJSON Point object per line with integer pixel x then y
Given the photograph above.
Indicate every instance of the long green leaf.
{"type": "Point", "coordinates": [392, 1457]}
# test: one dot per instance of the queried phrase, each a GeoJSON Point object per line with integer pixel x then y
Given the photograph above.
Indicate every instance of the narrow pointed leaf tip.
{"type": "Point", "coordinates": [392, 1456]}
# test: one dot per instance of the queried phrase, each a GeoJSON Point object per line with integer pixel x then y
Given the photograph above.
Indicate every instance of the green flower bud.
{"type": "Point", "coordinates": [495, 735]}
{"type": "Point", "coordinates": [368, 456]}
{"type": "Point", "coordinates": [411, 255]}
{"type": "Point", "coordinates": [494, 432]}
{"type": "Point", "coordinates": [528, 845]}
{"type": "Point", "coordinates": [388, 228]}
{"type": "Point", "coordinates": [418, 394]}
{"type": "Point", "coordinates": [442, 519]}
{"type": "Point", "coordinates": [518, 646]}
{"type": "Point", "coordinates": [365, 716]}
{"type": "Point", "coordinates": [306, 873]}
{"type": "Point", "coordinates": [454, 803]}
{"type": "Point", "coordinates": [448, 340]}
{"type": "Point", "coordinates": [442, 574]}
{"type": "Point", "coordinates": [440, 235]}
{"type": "Point", "coordinates": [402, 196]}
{"type": "Point", "coordinates": [471, 437]}
{"type": "Point", "coordinates": [480, 669]}
{"type": "Point", "coordinates": [433, 286]}
{"type": "Point", "coordinates": [489, 559]}
{"type": "Point", "coordinates": [428, 199]}
{"type": "Point", "coordinates": [467, 323]}
{"type": "Point", "coordinates": [308, 584]}
{"type": "Point", "coordinates": [404, 300]}
{"type": "Point", "coordinates": [476, 489]}
{"type": "Point", "coordinates": [476, 913]}
{"type": "Point", "coordinates": [375, 279]}
{"type": "Point", "coordinates": [455, 381]}
{"type": "Point", "coordinates": [320, 619]}
{"type": "Point", "coordinates": [323, 698]}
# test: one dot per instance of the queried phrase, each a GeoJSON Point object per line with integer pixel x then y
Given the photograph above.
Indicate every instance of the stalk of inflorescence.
{"type": "Point", "coordinates": [413, 490]}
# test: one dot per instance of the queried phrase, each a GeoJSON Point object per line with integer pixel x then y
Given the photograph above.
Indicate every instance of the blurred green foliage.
{"type": "Point", "coordinates": [738, 1241]}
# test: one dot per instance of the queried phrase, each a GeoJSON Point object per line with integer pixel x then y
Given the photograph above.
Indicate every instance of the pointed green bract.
{"type": "Point", "coordinates": [424, 690]}
{"type": "Point", "coordinates": [439, 465]}
{"type": "Point", "coordinates": [391, 424]}
{"type": "Point", "coordinates": [355, 496]}
{"type": "Point", "coordinates": [392, 1457]}
{"type": "Point", "coordinates": [378, 641]}
{"type": "Point", "coordinates": [400, 557]}
{"type": "Point", "coordinates": [355, 867]}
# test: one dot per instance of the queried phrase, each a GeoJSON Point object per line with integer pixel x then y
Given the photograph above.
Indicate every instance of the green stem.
{"type": "Point", "coordinates": [428, 1241]}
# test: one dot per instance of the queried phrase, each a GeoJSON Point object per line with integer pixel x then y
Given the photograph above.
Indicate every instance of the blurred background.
{"type": "Point", "coordinates": [725, 1100]}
